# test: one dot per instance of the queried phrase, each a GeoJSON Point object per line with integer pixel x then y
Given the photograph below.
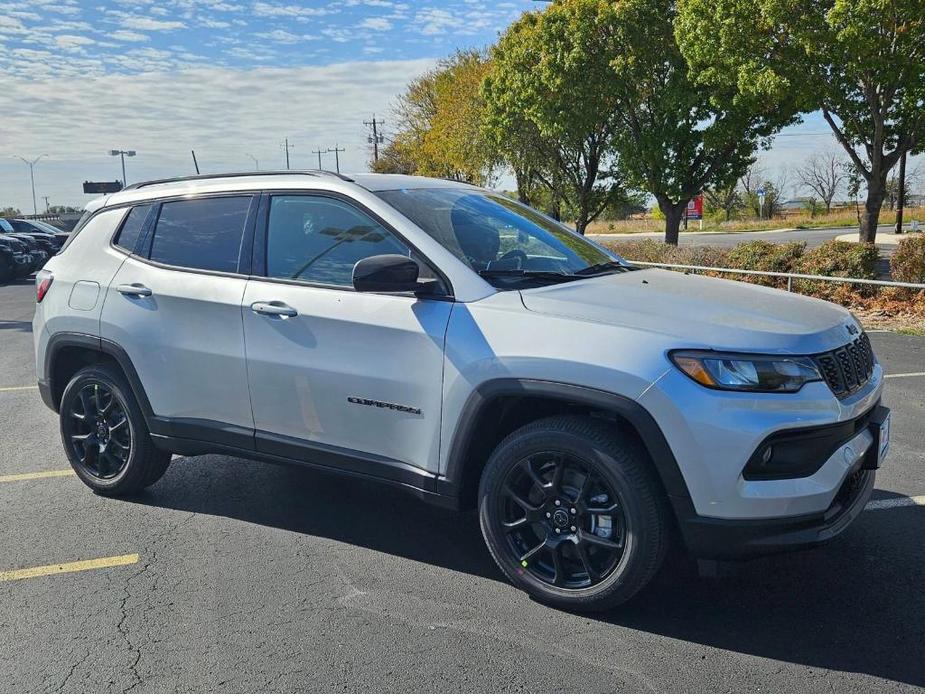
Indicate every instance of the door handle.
{"type": "Point", "coordinates": [133, 290]}
{"type": "Point", "coordinates": [273, 308]}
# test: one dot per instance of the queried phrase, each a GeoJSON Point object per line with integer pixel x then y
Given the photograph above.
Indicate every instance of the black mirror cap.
{"type": "Point", "coordinates": [386, 273]}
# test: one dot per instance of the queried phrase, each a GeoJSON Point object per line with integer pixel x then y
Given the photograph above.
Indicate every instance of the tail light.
{"type": "Point", "coordinates": [43, 280]}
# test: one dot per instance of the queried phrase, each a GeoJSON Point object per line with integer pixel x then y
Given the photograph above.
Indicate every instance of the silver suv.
{"type": "Point", "coordinates": [450, 341]}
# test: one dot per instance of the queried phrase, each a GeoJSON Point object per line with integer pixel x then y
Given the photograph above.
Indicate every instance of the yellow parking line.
{"type": "Point", "coordinates": [7, 389]}
{"type": "Point", "coordinates": [52, 569]}
{"type": "Point", "coordinates": [909, 375]}
{"type": "Point", "coordinates": [36, 475]}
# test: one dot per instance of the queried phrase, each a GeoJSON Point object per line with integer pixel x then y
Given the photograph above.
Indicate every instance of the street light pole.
{"type": "Point", "coordinates": [31, 165]}
{"type": "Point", "coordinates": [256, 162]}
{"type": "Point", "coordinates": [123, 153]}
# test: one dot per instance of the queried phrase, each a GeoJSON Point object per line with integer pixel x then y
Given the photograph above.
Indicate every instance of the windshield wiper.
{"type": "Point", "coordinates": [600, 268]}
{"type": "Point", "coordinates": [529, 274]}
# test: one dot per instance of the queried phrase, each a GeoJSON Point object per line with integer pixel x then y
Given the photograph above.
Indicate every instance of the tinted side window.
{"type": "Point", "coordinates": [320, 239]}
{"type": "Point", "coordinates": [204, 234]}
{"type": "Point", "coordinates": [131, 227]}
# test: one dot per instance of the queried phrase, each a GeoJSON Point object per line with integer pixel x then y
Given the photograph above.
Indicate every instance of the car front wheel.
{"type": "Point", "coordinates": [573, 513]}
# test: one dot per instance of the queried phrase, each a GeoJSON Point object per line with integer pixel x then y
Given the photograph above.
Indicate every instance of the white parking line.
{"type": "Point", "coordinates": [6, 389]}
{"type": "Point", "coordinates": [898, 502]}
{"type": "Point", "coordinates": [916, 373]}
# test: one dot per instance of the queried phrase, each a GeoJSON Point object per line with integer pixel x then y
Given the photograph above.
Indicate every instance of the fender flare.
{"type": "Point", "coordinates": [666, 465]}
{"type": "Point", "coordinates": [59, 341]}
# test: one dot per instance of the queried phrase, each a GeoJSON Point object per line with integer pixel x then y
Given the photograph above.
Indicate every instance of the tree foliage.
{"type": "Point", "coordinates": [439, 120]}
{"type": "Point", "coordinates": [861, 62]}
{"type": "Point", "coordinates": [675, 139]}
{"type": "Point", "coordinates": [550, 106]}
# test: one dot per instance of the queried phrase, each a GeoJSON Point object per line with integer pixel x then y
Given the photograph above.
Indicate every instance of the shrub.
{"type": "Point", "coordinates": [908, 261]}
{"type": "Point", "coordinates": [838, 259]}
{"type": "Point", "coordinates": [767, 257]}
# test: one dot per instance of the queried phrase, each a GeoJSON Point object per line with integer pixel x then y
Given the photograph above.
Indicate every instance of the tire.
{"type": "Point", "coordinates": [105, 435]}
{"type": "Point", "coordinates": [602, 495]}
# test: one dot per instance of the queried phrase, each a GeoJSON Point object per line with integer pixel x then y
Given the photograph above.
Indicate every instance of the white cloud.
{"type": "Point", "coordinates": [278, 35]}
{"type": "Point", "coordinates": [376, 23]}
{"type": "Point", "coordinates": [163, 115]}
{"type": "Point", "coordinates": [126, 35]}
{"type": "Point", "coordinates": [150, 24]}
{"type": "Point", "coordinates": [69, 42]}
{"type": "Point", "coordinates": [266, 9]}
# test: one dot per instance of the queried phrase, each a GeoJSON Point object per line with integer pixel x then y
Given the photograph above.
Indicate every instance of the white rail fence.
{"type": "Point", "coordinates": [790, 276]}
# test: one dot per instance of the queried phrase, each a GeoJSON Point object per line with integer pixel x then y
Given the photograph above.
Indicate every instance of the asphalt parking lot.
{"type": "Point", "coordinates": [232, 576]}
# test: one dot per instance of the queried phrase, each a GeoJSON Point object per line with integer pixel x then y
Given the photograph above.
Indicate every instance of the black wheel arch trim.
{"type": "Point", "coordinates": [638, 417]}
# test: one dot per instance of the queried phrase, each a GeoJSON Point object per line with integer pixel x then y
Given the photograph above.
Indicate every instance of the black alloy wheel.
{"type": "Point", "coordinates": [573, 512]}
{"type": "Point", "coordinates": [99, 431]}
{"type": "Point", "coordinates": [564, 524]}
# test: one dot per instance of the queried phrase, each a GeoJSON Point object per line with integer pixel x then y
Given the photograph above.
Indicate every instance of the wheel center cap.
{"type": "Point", "coordinates": [560, 518]}
{"type": "Point", "coordinates": [102, 430]}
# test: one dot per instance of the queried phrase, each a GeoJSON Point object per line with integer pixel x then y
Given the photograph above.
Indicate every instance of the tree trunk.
{"type": "Point", "coordinates": [673, 212]}
{"type": "Point", "coordinates": [581, 223]}
{"type": "Point", "coordinates": [522, 179]}
{"type": "Point", "coordinates": [876, 188]}
{"type": "Point", "coordinates": [901, 195]}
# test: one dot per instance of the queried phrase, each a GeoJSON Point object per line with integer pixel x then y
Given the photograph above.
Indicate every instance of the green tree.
{"type": "Point", "coordinates": [439, 120]}
{"type": "Point", "coordinates": [861, 62]}
{"type": "Point", "coordinates": [675, 139]}
{"type": "Point", "coordinates": [10, 212]}
{"type": "Point", "coordinates": [550, 107]}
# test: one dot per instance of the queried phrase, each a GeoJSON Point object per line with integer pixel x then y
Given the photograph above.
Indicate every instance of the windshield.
{"type": "Point", "coordinates": [5, 226]}
{"type": "Point", "coordinates": [504, 241]}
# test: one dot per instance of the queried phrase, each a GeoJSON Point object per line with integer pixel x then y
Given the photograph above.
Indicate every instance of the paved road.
{"type": "Point", "coordinates": [254, 578]}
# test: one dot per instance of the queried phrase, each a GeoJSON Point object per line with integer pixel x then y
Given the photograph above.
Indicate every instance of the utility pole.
{"type": "Point", "coordinates": [31, 165]}
{"type": "Point", "coordinates": [285, 145]}
{"type": "Point", "coordinates": [256, 162]}
{"type": "Point", "coordinates": [901, 195]}
{"type": "Point", "coordinates": [375, 139]}
{"type": "Point", "coordinates": [319, 152]}
{"type": "Point", "coordinates": [47, 206]}
{"type": "Point", "coordinates": [122, 153]}
{"type": "Point", "coordinates": [337, 150]}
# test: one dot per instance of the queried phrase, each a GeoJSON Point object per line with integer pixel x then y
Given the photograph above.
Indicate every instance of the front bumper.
{"type": "Point", "coordinates": [714, 538]}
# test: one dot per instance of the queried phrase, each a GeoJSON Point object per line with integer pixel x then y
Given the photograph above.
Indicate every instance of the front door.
{"type": "Point", "coordinates": [339, 377]}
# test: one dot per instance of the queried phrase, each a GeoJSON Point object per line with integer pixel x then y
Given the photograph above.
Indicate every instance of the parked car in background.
{"type": "Point", "coordinates": [38, 245]}
{"type": "Point", "coordinates": [35, 226]}
{"type": "Point", "coordinates": [22, 258]}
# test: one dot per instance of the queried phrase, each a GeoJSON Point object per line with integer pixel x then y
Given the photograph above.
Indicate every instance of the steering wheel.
{"type": "Point", "coordinates": [515, 253]}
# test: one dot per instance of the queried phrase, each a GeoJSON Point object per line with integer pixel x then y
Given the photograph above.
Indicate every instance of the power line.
{"type": "Point", "coordinates": [337, 150]}
{"type": "Point", "coordinates": [285, 145]}
{"type": "Point", "coordinates": [319, 152]}
{"type": "Point", "coordinates": [375, 139]}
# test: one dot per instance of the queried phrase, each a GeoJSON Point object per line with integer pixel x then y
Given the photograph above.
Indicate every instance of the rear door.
{"type": "Point", "coordinates": [175, 308]}
{"type": "Point", "coordinates": [339, 377]}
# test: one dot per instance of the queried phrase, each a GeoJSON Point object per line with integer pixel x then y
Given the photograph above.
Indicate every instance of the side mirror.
{"type": "Point", "coordinates": [386, 273]}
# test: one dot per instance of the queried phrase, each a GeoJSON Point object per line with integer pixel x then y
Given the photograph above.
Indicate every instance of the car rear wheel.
{"type": "Point", "coordinates": [105, 435]}
{"type": "Point", "coordinates": [573, 513]}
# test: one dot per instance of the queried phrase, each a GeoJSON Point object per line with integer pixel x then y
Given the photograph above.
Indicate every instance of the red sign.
{"type": "Point", "coordinates": [695, 208]}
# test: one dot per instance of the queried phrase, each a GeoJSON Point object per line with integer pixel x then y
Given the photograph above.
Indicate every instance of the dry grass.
{"type": "Point", "coordinates": [840, 218]}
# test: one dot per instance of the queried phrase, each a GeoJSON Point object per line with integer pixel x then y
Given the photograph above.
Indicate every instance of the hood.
{"type": "Point", "coordinates": [700, 312]}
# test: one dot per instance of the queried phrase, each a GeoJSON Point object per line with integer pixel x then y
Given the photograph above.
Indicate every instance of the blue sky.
{"type": "Point", "coordinates": [230, 79]}
{"type": "Point", "coordinates": [52, 38]}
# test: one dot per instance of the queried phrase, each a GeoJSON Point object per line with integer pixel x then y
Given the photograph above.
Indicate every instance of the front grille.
{"type": "Point", "coordinates": [847, 368]}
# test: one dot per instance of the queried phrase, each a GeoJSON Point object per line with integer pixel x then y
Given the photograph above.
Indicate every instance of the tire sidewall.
{"type": "Point", "coordinates": [631, 569]}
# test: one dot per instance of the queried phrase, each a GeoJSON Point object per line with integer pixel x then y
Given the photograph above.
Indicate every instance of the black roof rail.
{"type": "Point", "coordinates": [237, 174]}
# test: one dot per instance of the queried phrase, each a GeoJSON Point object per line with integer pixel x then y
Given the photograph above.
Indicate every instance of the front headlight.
{"type": "Point", "coordinates": [764, 374]}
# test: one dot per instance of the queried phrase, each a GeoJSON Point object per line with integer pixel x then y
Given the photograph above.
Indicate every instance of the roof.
{"type": "Point", "coordinates": [261, 180]}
